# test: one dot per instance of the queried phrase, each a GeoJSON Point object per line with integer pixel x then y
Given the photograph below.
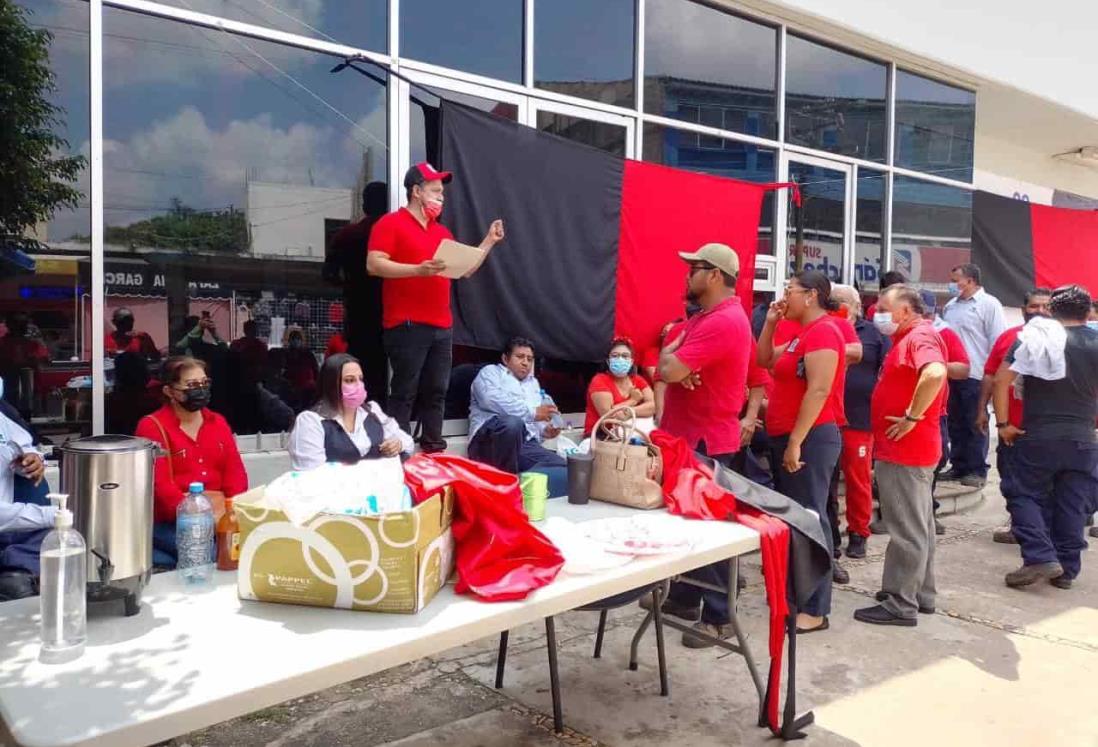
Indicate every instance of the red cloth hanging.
{"type": "Point", "coordinates": [691, 491]}
{"type": "Point", "coordinates": [500, 556]}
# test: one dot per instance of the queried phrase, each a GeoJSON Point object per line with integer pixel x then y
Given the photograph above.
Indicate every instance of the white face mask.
{"type": "Point", "coordinates": [883, 321]}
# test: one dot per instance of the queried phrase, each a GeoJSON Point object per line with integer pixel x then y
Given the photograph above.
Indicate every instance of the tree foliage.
{"type": "Point", "coordinates": [185, 228]}
{"type": "Point", "coordinates": [36, 178]}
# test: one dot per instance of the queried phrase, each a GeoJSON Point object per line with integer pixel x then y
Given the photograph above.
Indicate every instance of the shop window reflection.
{"type": "Point", "coordinates": [931, 231]}
{"type": "Point", "coordinates": [45, 268]}
{"type": "Point", "coordinates": [231, 166]}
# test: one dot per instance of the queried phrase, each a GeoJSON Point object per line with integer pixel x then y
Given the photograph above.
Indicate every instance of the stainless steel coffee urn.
{"type": "Point", "coordinates": [109, 480]}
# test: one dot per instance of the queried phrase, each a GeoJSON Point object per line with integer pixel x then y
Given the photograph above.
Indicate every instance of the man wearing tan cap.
{"type": "Point", "coordinates": [705, 368]}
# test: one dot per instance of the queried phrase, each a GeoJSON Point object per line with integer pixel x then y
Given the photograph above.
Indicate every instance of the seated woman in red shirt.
{"type": "Point", "coordinates": [620, 386]}
{"type": "Point", "coordinates": [806, 409]}
{"type": "Point", "coordinates": [201, 448]}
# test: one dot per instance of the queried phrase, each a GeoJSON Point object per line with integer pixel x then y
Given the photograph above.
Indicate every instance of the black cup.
{"type": "Point", "coordinates": [579, 477]}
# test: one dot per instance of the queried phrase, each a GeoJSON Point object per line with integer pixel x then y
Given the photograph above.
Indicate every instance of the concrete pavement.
{"type": "Point", "coordinates": [994, 666]}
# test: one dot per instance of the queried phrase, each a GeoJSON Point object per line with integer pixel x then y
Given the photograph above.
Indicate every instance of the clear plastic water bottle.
{"type": "Point", "coordinates": [63, 588]}
{"type": "Point", "coordinates": [194, 538]}
{"type": "Point", "coordinates": [555, 420]}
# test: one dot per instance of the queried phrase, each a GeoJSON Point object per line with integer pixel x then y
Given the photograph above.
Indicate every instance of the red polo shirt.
{"type": "Point", "coordinates": [790, 387]}
{"type": "Point", "coordinates": [995, 359]}
{"type": "Point", "coordinates": [955, 353]}
{"type": "Point", "coordinates": [421, 300]}
{"type": "Point", "coordinates": [716, 345]}
{"type": "Point", "coordinates": [912, 349]}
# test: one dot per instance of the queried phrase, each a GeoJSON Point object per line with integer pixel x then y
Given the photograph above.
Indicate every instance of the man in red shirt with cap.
{"type": "Point", "coordinates": [907, 444]}
{"type": "Point", "coordinates": [415, 297]}
{"type": "Point", "coordinates": [705, 367]}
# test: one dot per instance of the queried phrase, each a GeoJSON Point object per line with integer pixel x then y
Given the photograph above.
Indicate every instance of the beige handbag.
{"type": "Point", "coordinates": [625, 473]}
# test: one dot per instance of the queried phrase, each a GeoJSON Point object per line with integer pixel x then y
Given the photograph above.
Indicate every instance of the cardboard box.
{"type": "Point", "coordinates": [391, 563]}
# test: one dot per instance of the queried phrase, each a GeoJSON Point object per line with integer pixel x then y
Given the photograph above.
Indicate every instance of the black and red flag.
{"type": "Point", "coordinates": [592, 239]}
{"type": "Point", "coordinates": [1020, 246]}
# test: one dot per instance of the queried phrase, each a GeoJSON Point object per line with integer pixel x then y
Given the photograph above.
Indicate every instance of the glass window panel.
{"type": "Point", "coordinates": [484, 37]}
{"type": "Point", "coordinates": [585, 49]}
{"type": "Point", "coordinates": [820, 221]}
{"type": "Point", "coordinates": [683, 149]}
{"type": "Point", "coordinates": [45, 270]}
{"type": "Point", "coordinates": [869, 237]}
{"type": "Point", "coordinates": [608, 137]}
{"type": "Point", "coordinates": [935, 126]}
{"type": "Point", "coordinates": [835, 101]}
{"type": "Point", "coordinates": [231, 165]}
{"type": "Point", "coordinates": [931, 231]}
{"type": "Point", "coordinates": [361, 23]}
{"type": "Point", "coordinates": [700, 56]}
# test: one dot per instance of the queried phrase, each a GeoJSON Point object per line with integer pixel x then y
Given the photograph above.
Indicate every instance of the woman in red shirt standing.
{"type": "Point", "coordinates": [620, 386]}
{"type": "Point", "coordinates": [806, 409]}
{"type": "Point", "coordinates": [201, 448]}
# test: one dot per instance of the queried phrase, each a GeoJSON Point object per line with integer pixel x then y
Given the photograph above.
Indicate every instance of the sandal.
{"type": "Point", "coordinates": [822, 626]}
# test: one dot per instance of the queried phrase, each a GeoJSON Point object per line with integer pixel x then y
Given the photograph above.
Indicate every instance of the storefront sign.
{"type": "Point", "coordinates": [142, 280]}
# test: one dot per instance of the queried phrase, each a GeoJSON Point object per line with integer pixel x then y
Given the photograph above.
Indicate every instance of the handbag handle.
{"type": "Point", "coordinates": [608, 425]}
{"type": "Point", "coordinates": [167, 447]}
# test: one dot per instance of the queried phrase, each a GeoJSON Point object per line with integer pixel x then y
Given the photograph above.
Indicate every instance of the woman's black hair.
{"type": "Point", "coordinates": [329, 401]}
{"type": "Point", "coordinates": [819, 282]}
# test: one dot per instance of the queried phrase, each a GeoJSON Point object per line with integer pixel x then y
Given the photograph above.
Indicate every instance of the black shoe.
{"type": "Point", "coordinates": [819, 628]}
{"type": "Point", "coordinates": [880, 596]}
{"type": "Point", "coordinates": [1061, 582]}
{"type": "Point", "coordinates": [16, 584]}
{"type": "Point", "coordinates": [878, 615]}
{"type": "Point", "coordinates": [938, 528]}
{"type": "Point", "coordinates": [951, 475]}
{"type": "Point", "coordinates": [1029, 574]}
{"type": "Point", "coordinates": [855, 546]}
{"type": "Point", "coordinates": [973, 481]}
{"type": "Point", "coordinates": [839, 575]}
{"type": "Point", "coordinates": [878, 527]}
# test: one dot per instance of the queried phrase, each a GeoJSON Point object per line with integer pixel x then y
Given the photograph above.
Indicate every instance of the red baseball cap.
{"type": "Point", "coordinates": [425, 172]}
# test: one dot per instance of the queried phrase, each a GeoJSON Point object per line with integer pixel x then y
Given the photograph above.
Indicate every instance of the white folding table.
{"type": "Point", "coordinates": [189, 660]}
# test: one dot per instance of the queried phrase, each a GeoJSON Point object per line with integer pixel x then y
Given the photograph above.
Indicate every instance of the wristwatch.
{"type": "Point", "coordinates": [912, 419]}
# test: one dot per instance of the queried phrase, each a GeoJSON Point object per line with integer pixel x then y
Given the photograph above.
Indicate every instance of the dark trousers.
{"type": "Point", "coordinates": [20, 550]}
{"type": "Point", "coordinates": [967, 443]}
{"type": "Point", "coordinates": [362, 325]}
{"type": "Point", "coordinates": [714, 604]}
{"type": "Point", "coordinates": [165, 553]}
{"type": "Point", "coordinates": [810, 486]}
{"type": "Point", "coordinates": [1053, 484]}
{"type": "Point", "coordinates": [943, 460]}
{"type": "Point", "coordinates": [504, 443]}
{"type": "Point", "coordinates": [420, 356]}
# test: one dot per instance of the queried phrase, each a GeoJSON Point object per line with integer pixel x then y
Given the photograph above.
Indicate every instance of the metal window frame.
{"type": "Point", "coordinates": [781, 229]}
{"type": "Point", "coordinates": [529, 99]}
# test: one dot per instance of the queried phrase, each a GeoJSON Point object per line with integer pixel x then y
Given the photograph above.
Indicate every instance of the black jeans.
{"type": "Point", "coordinates": [715, 607]}
{"type": "Point", "coordinates": [968, 444]}
{"type": "Point", "coordinates": [421, 357]}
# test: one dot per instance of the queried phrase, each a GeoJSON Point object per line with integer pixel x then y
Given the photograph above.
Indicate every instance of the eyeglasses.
{"type": "Point", "coordinates": [792, 289]}
{"type": "Point", "coordinates": [694, 267]}
{"type": "Point", "coordinates": [198, 384]}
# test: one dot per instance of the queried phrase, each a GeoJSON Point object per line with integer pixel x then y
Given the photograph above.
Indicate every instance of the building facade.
{"type": "Point", "coordinates": [227, 142]}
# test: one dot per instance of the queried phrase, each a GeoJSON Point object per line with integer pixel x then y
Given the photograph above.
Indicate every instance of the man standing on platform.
{"type": "Point", "coordinates": [705, 367]}
{"type": "Point", "coordinates": [416, 301]}
{"type": "Point", "coordinates": [907, 443]}
{"type": "Point", "coordinates": [977, 318]}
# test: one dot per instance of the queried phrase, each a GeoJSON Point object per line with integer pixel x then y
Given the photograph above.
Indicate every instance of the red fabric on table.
{"type": "Point", "coordinates": [691, 491]}
{"type": "Point", "coordinates": [789, 388]}
{"type": "Point", "coordinates": [212, 459]}
{"type": "Point", "coordinates": [915, 347]}
{"type": "Point", "coordinates": [995, 359]}
{"type": "Point", "coordinates": [500, 556]}
{"type": "Point", "coordinates": [604, 382]}
{"type": "Point", "coordinates": [420, 300]}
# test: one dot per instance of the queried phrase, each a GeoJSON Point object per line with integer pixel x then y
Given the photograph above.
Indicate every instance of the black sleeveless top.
{"type": "Point", "coordinates": [338, 446]}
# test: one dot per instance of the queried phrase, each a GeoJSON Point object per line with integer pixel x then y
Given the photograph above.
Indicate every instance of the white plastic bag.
{"type": "Point", "coordinates": [566, 446]}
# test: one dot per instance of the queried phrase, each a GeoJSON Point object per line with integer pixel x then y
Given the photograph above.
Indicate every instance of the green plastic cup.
{"type": "Point", "coordinates": [535, 494]}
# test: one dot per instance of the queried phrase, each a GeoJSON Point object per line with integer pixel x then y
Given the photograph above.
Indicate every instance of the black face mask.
{"type": "Point", "coordinates": [195, 399]}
